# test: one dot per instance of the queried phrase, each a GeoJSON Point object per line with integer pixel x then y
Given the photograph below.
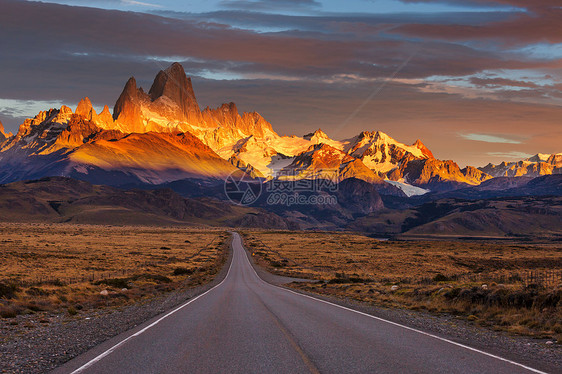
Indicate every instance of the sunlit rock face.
{"type": "Point", "coordinates": [84, 145]}
{"type": "Point", "coordinates": [537, 165]}
{"type": "Point", "coordinates": [3, 135]}
{"type": "Point", "coordinates": [163, 134]}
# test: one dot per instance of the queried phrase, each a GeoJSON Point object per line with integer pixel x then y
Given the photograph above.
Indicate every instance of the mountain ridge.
{"type": "Point", "coordinates": [153, 137]}
{"type": "Point", "coordinates": [534, 166]}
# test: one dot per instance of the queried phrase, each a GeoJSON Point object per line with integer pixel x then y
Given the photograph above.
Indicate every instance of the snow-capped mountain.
{"type": "Point", "coordinates": [381, 153]}
{"type": "Point", "coordinates": [62, 143]}
{"type": "Point", "coordinates": [163, 135]}
{"type": "Point", "coordinates": [326, 162]}
{"type": "Point", "coordinates": [534, 166]}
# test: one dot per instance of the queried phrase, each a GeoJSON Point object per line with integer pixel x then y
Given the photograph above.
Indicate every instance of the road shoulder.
{"type": "Point", "coordinates": [47, 347]}
{"type": "Point", "coordinates": [527, 351]}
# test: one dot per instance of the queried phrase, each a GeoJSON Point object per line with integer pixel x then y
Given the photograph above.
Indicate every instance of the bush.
{"type": "Point", "coordinates": [56, 282]}
{"type": "Point", "coordinates": [338, 280]}
{"type": "Point", "coordinates": [115, 282]}
{"type": "Point", "coordinates": [7, 312]}
{"type": "Point", "coordinates": [441, 278]}
{"type": "Point", "coordinates": [72, 311]}
{"type": "Point", "coordinates": [7, 291]}
{"type": "Point", "coordinates": [358, 280]}
{"type": "Point", "coordinates": [182, 271]}
{"type": "Point", "coordinates": [37, 291]}
{"type": "Point", "coordinates": [35, 307]}
{"type": "Point", "coordinates": [155, 277]}
{"type": "Point", "coordinates": [453, 293]}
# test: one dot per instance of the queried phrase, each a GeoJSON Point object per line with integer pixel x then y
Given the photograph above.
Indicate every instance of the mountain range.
{"type": "Point", "coordinates": [162, 139]}
{"type": "Point", "coordinates": [163, 135]}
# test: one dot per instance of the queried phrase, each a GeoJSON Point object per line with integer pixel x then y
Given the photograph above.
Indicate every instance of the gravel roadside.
{"type": "Point", "coordinates": [42, 342]}
{"type": "Point", "coordinates": [535, 353]}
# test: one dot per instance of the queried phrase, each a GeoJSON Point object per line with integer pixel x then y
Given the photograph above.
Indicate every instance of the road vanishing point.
{"type": "Point", "coordinates": [246, 325]}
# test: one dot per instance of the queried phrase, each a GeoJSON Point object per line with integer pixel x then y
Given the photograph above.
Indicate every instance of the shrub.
{"type": "Point", "coordinates": [7, 291]}
{"type": "Point", "coordinates": [115, 282]}
{"type": "Point", "coordinates": [72, 311]}
{"type": "Point", "coordinates": [155, 277]}
{"type": "Point", "coordinates": [7, 312]}
{"type": "Point", "coordinates": [182, 271]}
{"type": "Point", "coordinates": [37, 291]}
{"type": "Point", "coordinates": [441, 278]}
{"type": "Point", "coordinates": [34, 307]}
{"type": "Point", "coordinates": [56, 282]}
{"type": "Point", "coordinates": [453, 293]}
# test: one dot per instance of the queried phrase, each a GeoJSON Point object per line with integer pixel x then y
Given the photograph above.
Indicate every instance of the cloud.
{"type": "Point", "coordinates": [14, 112]}
{"type": "Point", "coordinates": [523, 4]}
{"type": "Point", "coordinates": [513, 155]}
{"type": "Point", "coordinates": [542, 25]}
{"type": "Point", "coordinates": [140, 3]}
{"type": "Point", "coordinates": [268, 5]}
{"type": "Point", "coordinates": [501, 82]}
{"type": "Point", "coordinates": [299, 72]}
{"type": "Point", "coordinates": [489, 138]}
{"type": "Point", "coordinates": [26, 108]}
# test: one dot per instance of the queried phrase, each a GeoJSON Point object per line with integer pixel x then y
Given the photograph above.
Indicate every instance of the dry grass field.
{"type": "Point", "coordinates": [507, 286]}
{"type": "Point", "coordinates": [67, 267]}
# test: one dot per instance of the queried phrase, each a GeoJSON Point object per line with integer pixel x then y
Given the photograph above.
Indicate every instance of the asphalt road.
{"type": "Point", "coordinates": [245, 325]}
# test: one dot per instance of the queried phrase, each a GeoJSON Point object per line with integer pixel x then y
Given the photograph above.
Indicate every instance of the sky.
{"type": "Point", "coordinates": [476, 81]}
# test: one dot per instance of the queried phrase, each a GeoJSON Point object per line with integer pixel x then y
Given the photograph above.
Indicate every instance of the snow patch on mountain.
{"type": "Point", "coordinates": [408, 189]}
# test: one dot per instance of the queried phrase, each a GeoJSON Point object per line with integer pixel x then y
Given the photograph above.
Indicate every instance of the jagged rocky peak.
{"type": "Point", "coordinates": [128, 96]}
{"type": "Point", "coordinates": [229, 107]}
{"type": "Point", "coordinates": [173, 84]}
{"type": "Point", "coordinates": [534, 166]}
{"type": "Point", "coordinates": [3, 134]}
{"type": "Point", "coordinates": [475, 175]}
{"type": "Point", "coordinates": [171, 105]}
{"type": "Point", "coordinates": [425, 151]}
{"type": "Point", "coordinates": [127, 109]}
{"type": "Point", "coordinates": [105, 116]}
{"type": "Point", "coordinates": [85, 108]}
{"type": "Point", "coordinates": [555, 159]}
{"type": "Point", "coordinates": [539, 157]}
{"type": "Point", "coordinates": [375, 135]}
{"type": "Point", "coordinates": [226, 114]}
{"type": "Point", "coordinates": [229, 120]}
{"type": "Point", "coordinates": [324, 161]}
{"type": "Point", "coordinates": [87, 111]}
{"type": "Point", "coordinates": [64, 110]}
{"type": "Point", "coordinates": [316, 136]}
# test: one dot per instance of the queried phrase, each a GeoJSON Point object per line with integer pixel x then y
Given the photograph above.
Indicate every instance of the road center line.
{"type": "Point", "coordinates": [290, 338]}
{"type": "Point", "coordinates": [395, 323]}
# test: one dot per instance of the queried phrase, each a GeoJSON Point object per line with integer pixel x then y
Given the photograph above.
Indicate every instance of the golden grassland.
{"type": "Point", "coordinates": [507, 286]}
{"type": "Point", "coordinates": [52, 267]}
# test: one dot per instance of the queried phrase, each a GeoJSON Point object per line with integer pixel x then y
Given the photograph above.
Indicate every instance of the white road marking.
{"type": "Point", "coordinates": [110, 350]}
{"type": "Point", "coordinates": [399, 325]}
